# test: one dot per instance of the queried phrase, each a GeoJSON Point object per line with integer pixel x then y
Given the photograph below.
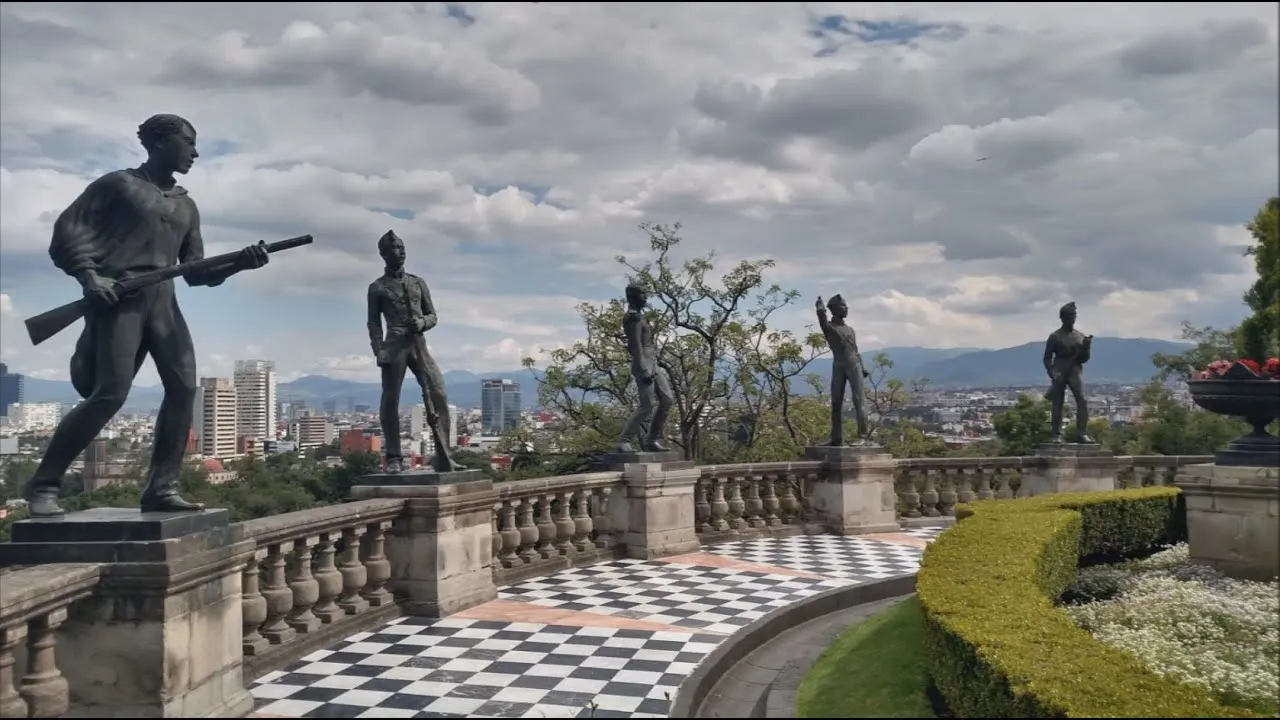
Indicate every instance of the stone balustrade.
{"type": "Point", "coordinates": [542, 525]}
{"type": "Point", "coordinates": [313, 570]}
{"type": "Point", "coordinates": [301, 581]}
{"type": "Point", "coordinates": [34, 602]}
{"type": "Point", "coordinates": [752, 499]}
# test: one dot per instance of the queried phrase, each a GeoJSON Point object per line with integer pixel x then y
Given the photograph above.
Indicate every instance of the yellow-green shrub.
{"type": "Point", "coordinates": [997, 646]}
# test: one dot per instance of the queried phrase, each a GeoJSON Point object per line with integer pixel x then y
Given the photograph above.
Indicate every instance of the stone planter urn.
{"type": "Point", "coordinates": [1242, 393]}
{"type": "Point", "coordinates": [1233, 504]}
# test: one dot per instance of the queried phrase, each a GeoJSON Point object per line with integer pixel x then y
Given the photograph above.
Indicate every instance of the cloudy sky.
{"type": "Point", "coordinates": [955, 170]}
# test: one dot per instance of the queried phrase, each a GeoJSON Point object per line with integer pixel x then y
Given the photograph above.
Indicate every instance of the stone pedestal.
{"type": "Point", "coordinates": [1068, 468]}
{"type": "Point", "coordinates": [1233, 518]}
{"type": "Point", "coordinates": [666, 460]}
{"type": "Point", "coordinates": [161, 636]}
{"type": "Point", "coordinates": [854, 494]}
{"type": "Point", "coordinates": [657, 518]}
{"type": "Point", "coordinates": [441, 547]}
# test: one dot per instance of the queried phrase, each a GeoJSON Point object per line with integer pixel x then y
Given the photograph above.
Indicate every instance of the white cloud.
{"type": "Point", "coordinates": [1124, 147]}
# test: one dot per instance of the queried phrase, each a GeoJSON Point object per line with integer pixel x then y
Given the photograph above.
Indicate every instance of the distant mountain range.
{"type": "Point", "coordinates": [1115, 360]}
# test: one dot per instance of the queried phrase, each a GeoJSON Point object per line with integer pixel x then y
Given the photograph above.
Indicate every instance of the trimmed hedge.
{"type": "Point", "coordinates": [996, 645]}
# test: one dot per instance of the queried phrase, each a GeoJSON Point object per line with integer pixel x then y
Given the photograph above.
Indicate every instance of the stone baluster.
{"type": "Point", "coordinates": [736, 506]}
{"type": "Point", "coordinates": [510, 535]}
{"type": "Point", "coordinates": [528, 531]}
{"type": "Point", "coordinates": [11, 703]}
{"type": "Point", "coordinates": [353, 572]}
{"type": "Point", "coordinates": [253, 607]}
{"type": "Point", "coordinates": [278, 596]}
{"type": "Point", "coordinates": [377, 565]}
{"type": "Point", "coordinates": [965, 482]}
{"type": "Point", "coordinates": [770, 500]}
{"type": "Point", "coordinates": [909, 497]}
{"type": "Point", "coordinates": [719, 507]}
{"type": "Point", "coordinates": [753, 507]}
{"type": "Point", "coordinates": [546, 527]}
{"type": "Point", "coordinates": [565, 526]}
{"type": "Point", "coordinates": [984, 484]}
{"type": "Point", "coordinates": [1004, 486]}
{"type": "Point", "coordinates": [601, 520]}
{"type": "Point", "coordinates": [495, 535]}
{"type": "Point", "coordinates": [947, 492]}
{"type": "Point", "coordinates": [788, 503]}
{"type": "Point", "coordinates": [306, 591]}
{"type": "Point", "coordinates": [43, 686]}
{"type": "Point", "coordinates": [328, 580]}
{"type": "Point", "coordinates": [582, 525]}
{"type": "Point", "coordinates": [929, 495]}
{"type": "Point", "coordinates": [702, 504]}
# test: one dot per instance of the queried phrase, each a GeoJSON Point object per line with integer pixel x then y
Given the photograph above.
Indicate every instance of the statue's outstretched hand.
{"type": "Point", "coordinates": [817, 305]}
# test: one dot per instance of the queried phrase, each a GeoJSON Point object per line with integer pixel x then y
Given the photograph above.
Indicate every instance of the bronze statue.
{"type": "Point", "coordinates": [404, 300]}
{"type": "Point", "coordinates": [126, 223]}
{"type": "Point", "coordinates": [653, 385]}
{"type": "Point", "coordinates": [1065, 353]}
{"type": "Point", "coordinates": [846, 368]}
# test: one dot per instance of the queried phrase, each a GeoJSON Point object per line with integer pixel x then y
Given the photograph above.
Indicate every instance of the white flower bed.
{"type": "Point", "coordinates": [1188, 622]}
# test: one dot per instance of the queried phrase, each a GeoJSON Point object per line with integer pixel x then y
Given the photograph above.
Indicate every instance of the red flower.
{"type": "Point", "coordinates": [1272, 366]}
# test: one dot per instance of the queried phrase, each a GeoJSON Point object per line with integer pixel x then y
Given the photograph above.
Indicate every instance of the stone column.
{"type": "Point", "coordinates": [657, 515]}
{"type": "Point", "coordinates": [441, 547]}
{"type": "Point", "coordinates": [1068, 468]}
{"type": "Point", "coordinates": [854, 494]}
{"type": "Point", "coordinates": [161, 636]}
{"type": "Point", "coordinates": [1233, 518]}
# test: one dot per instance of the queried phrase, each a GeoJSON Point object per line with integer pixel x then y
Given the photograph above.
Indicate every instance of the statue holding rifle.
{"type": "Point", "coordinates": [846, 368]}
{"type": "Point", "coordinates": [1065, 353]}
{"type": "Point", "coordinates": [124, 239]}
{"type": "Point", "coordinates": [405, 302]}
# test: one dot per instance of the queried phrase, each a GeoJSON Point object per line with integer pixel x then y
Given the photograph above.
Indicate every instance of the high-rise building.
{"type": "Point", "coordinates": [452, 426]}
{"type": "Point", "coordinates": [12, 389]}
{"type": "Point", "coordinates": [499, 406]}
{"type": "Point", "coordinates": [417, 420]}
{"type": "Point", "coordinates": [314, 431]}
{"type": "Point", "coordinates": [215, 418]}
{"type": "Point", "coordinates": [256, 402]}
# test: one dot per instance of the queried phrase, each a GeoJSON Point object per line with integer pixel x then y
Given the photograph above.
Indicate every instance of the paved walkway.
{"type": "Point", "coordinates": [613, 639]}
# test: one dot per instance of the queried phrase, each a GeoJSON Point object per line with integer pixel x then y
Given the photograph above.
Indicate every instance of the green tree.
{"type": "Point", "coordinates": [1169, 427]}
{"type": "Point", "coordinates": [1023, 426]}
{"type": "Point", "coordinates": [699, 324]}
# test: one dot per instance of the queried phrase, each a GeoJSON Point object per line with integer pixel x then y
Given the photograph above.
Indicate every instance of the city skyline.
{"type": "Point", "coordinates": [956, 171]}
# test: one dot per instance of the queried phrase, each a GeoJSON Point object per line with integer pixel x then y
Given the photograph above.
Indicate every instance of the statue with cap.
{"type": "Point", "coordinates": [404, 302]}
{"type": "Point", "coordinates": [1065, 353]}
{"type": "Point", "coordinates": [846, 368]}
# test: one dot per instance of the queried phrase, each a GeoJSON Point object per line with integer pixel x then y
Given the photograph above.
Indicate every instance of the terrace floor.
{"type": "Point", "coordinates": [613, 639]}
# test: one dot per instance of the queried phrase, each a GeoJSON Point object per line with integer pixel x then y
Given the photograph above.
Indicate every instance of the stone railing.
{"type": "Point", "coordinates": [315, 574]}
{"type": "Point", "coordinates": [932, 487]}
{"type": "Point", "coordinates": [546, 524]}
{"type": "Point", "coordinates": [34, 601]}
{"type": "Point", "coordinates": [1144, 470]}
{"type": "Point", "coordinates": [752, 499]}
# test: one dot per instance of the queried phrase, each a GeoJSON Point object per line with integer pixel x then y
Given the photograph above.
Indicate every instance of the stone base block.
{"type": "Point", "coordinates": [117, 525]}
{"type": "Point", "coordinates": [1233, 518]}
{"type": "Point", "coordinates": [658, 514]}
{"type": "Point", "coordinates": [854, 493]}
{"type": "Point", "coordinates": [421, 477]}
{"type": "Point", "coordinates": [161, 635]}
{"type": "Point", "coordinates": [669, 460]}
{"type": "Point", "coordinates": [1069, 468]}
{"type": "Point", "coordinates": [423, 483]}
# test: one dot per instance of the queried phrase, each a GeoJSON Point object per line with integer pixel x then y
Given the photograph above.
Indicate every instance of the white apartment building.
{"type": "Point", "coordinates": [255, 383]}
{"type": "Point", "coordinates": [215, 418]}
{"type": "Point", "coordinates": [314, 431]}
{"type": "Point", "coordinates": [32, 417]}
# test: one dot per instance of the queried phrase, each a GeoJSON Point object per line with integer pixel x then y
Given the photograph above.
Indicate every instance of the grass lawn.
{"type": "Point", "coordinates": [875, 669]}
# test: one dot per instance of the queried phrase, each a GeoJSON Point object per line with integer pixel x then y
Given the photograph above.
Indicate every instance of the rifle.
{"type": "Point", "coordinates": [433, 419]}
{"type": "Point", "coordinates": [47, 324]}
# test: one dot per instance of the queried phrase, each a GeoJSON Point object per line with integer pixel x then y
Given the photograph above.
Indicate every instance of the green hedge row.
{"type": "Point", "coordinates": [996, 645]}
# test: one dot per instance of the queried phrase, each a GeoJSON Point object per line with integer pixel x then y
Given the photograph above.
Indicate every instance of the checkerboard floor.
{"type": "Point", "coordinates": [928, 533]}
{"type": "Point", "coordinates": [845, 558]}
{"type": "Point", "coordinates": [478, 668]}
{"type": "Point", "coordinates": [720, 600]}
{"type": "Point", "coordinates": [465, 667]}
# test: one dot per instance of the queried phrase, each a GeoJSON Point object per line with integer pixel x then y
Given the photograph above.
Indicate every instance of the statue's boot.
{"type": "Point", "coordinates": [44, 504]}
{"type": "Point", "coordinates": [443, 463]}
{"type": "Point", "coordinates": [1056, 438]}
{"type": "Point", "coordinates": [833, 442]}
{"type": "Point", "coordinates": [171, 502]}
{"type": "Point", "coordinates": [394, 466]}
{"type": "Point", "coordinates": [654, 445]}
{"type": "Point", "coordinates": [624, 447]}
{"type": "Point", "coordinates": [1083, 439]}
